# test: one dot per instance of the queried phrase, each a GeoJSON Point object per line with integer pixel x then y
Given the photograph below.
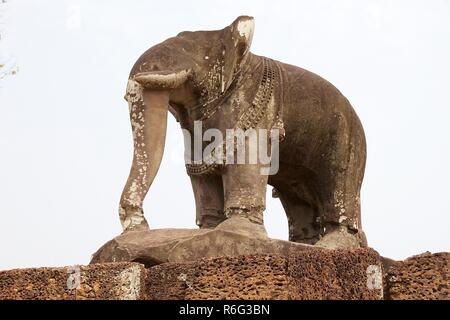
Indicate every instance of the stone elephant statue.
{"type": "Point", "coordinates": [212, 77]}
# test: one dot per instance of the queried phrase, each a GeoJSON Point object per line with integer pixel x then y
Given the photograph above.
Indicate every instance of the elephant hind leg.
{"type": "Point", "coordinates": [301, 215]}
{"type": "Point", "coordinates": [341, 219]}
{"type": "Point", "coordinates": [209, 203]}
{"type": "Point", "coordinates": [340, 194]}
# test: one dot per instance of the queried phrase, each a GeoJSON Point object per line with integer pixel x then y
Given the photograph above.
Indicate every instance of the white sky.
{"type": "Point", "coordinates": [65, 138]}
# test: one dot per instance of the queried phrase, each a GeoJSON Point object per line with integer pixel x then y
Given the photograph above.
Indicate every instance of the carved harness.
{"type": "Point", "coordinates": [270, 85]}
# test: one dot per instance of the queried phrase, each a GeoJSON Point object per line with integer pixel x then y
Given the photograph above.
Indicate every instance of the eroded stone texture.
{"type": "Point", "coordinates": [170, 281]}
{"type": "Point", "coordinates": [121, 281]}
{"type": "Point", "coordinates": [311, 274]}
{"type": "Point", "coordinates": [335, 274]}
{"type": "Point", "coordinates": [422, 277]}
{"type": "Point", "coordinates": [245, 277]}
{"type": "Point", "coordinates": [303, 274]}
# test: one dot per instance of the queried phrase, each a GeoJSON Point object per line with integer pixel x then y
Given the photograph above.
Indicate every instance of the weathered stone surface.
{"type": "Point", "coordinates": [121, 281]}
{"type": "Point", "coordinates": [421, 277]}
{"type": "Point", "coordinates": [336, 274]}
{"type": "Point", "coordinates": [220, 243]}
{"type": "Point", "coordinates": [302, 274]}
{"type": "Point", "coordinates": [152, 247]}
{"type": "Point", "coordinates": [311, 274]}
{"type": "Point", "coordinates": [169, 281]}
{"type": "Point", "coordinates": [243, 277]}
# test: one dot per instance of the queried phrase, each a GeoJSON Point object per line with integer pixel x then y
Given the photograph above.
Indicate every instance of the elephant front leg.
{"type": "Point", "coordinates": [245, 199]}
{"type": "Point", "coordinates": [208, 194]}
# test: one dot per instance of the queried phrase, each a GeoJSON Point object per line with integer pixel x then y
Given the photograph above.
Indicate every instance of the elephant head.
{"type": "Point", "coordinates": [177, 75]}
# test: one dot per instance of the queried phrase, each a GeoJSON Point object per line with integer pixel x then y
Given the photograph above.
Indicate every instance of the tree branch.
{"type": "Point", "coordinates": [7, 66]}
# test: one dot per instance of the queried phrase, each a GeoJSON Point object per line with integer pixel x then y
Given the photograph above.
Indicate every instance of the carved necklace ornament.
{"type": "Point", "coordinates": [258, 108]}
{"type": "Point", "coordinates": [249, 117]}
{"type": "Point", "coordinates": [212, 90]}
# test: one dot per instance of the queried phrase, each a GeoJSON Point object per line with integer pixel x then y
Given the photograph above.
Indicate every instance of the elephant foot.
{"type": "Point", "coordinates": [143, 226]}
{"type": "Point", "coordinates": [133, 221]}
{"type": "Point", "coordinates": [339, 237]}
{"type": "Point", "coordinates": [211, 220]}
{"type": "Point", "coordinates": [242, 222]}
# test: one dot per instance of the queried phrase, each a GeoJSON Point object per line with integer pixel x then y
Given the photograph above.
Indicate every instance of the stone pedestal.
{"type": "Point", "coordinates": [153, 247]}
{"type": "Point", "coordinates": [217, 264]}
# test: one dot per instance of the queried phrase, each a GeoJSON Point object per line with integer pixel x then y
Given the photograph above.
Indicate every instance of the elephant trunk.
{"type": "Point", "coordinates": [148, 115]}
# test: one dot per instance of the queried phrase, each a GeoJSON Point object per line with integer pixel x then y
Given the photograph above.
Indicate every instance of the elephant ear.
{"type": "Point", "coordinates": [242, 30]}
{"type": "Point", "coordinates": [237, 39]}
